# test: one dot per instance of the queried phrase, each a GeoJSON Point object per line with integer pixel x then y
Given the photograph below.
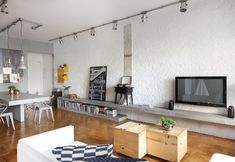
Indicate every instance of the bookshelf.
{"type": "Point", "coordinates": [88, 108]}
{"type": "Point", "coordinates": [177, 113]}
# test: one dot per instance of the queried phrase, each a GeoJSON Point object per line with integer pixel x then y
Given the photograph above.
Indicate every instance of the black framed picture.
{"type": "Point", "coordinates": [97, 84]}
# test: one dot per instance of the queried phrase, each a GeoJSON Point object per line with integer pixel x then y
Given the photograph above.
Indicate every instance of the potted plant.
{"type": "Point", "coordinates": [11, 89]}
{"type": "Point", "coordinates": [168, 123]}
{"type": "Point", "coordinates": [66, 90]}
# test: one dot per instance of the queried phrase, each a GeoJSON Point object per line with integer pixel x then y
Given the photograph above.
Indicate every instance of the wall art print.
{"type": "Point", "coordinates": [97, 85]}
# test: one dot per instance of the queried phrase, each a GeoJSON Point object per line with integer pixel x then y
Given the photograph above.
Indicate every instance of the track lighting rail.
{"type": "Point", "coordinates": [34, 27]}
{"type": "Point", "coordinates": [121, 19]}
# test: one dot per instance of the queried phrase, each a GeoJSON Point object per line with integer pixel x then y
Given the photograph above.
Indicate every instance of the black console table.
{"type": "Point", "coordinates": [123, 90]}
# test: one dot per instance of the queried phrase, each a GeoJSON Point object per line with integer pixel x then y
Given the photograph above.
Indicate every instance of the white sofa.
{"type": "Point", "coordinates": [38, 148]}
{"type": "Point", "coordinates": [216, 157]}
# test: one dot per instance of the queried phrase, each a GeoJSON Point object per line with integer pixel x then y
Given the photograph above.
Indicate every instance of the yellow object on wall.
{"type": "Point", "coordinates": [60, 74]}
{"type": "Point", "coordinates": [66, 68]}
{"type": "Point", "coordinates": [66, 77]}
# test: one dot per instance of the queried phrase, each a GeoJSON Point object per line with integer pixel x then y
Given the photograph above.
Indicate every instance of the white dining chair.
{"type": "Point", "coordinates": [29, 107]}
{"type": "Point", "coordinates": [7, 115]}
{"type": "Point", "coordinates": [40, 107]}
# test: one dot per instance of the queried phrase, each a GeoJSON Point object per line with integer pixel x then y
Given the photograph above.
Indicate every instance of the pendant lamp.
{"type": "Point", "coordinates": [22, 64]}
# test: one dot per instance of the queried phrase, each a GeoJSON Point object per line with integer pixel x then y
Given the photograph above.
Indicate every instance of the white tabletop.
{"type": "Point", "coordinates": [23, 98]}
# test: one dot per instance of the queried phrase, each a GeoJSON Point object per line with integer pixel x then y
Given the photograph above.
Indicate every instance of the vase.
{"type": "Point", "coordinates": [11, 92]}
{"type": "Point", "coordinates": [168, 127]}
{"type": "Point", "coordinates": [66, 92]}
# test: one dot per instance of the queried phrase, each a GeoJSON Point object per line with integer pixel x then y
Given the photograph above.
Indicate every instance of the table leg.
{"type": "Point", "coordinates": [127, 102]}
{"type": "Point", "coordinates": [115, 97]}
{"type": "Point", "coordinates": [132, 99]}
{"type": "Point", "coordinates": [18, 112]}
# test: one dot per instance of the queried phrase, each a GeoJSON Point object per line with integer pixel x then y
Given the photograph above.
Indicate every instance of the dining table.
{"type": "Point", "coordinates": [16, 103]}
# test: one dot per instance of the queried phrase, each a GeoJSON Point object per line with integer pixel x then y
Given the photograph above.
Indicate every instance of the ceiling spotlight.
{"type": "Point", "coordinates": [92, 32]}
{"type": "Point", "coordinates": [183, 5]}
{"type": "Point", "coordinates": [36, 27]}
{"type": "Point", "coordinates": [115, 25]}
{"type": "Point", "coordinates": [4, 8]}
{"type": "Point", "coordinates": [144, 16]}
{"type": "Point", "coordinates": [75, 36]}
{"type": "Point", "coordinates": [61, 40]}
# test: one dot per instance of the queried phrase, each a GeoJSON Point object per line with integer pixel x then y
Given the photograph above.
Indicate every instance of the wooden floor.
{"type": "Point", "coordinates": [97, 131]}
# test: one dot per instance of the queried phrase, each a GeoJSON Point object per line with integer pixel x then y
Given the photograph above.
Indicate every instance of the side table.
{"type": "Point", "coordinates": [169, 145]}
{"type": "Point", "coordinates": [126, 91]}
{"type": "Point", "coordinates": [130, 139]}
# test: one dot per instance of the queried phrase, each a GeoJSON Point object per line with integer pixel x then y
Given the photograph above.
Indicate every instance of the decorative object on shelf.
{"type": "Point", "coordinates": [231, 111]}
{"type": "Point", "coordinates": [126, 80]}
{"type": "Point", "coordinates": [111, 112]}
{"type": "Point", "coordinates": [97, 85]}
{"type": "Point", "coordinates": [66, 90]}
{"type": "Point", "coordinates": [171, 105]}
{"type": "Point", "coordinates": [72, 96]}
{"type": "Point", "coordinates": [167, 123]}
{"type": "Point", "coordinates": [11, 90]}
{"type": "Point", "coordinates": [16, 92]}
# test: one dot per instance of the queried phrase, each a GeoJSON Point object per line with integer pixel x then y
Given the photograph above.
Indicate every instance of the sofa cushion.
{"type": "Point", "coordinates": [83, 152]}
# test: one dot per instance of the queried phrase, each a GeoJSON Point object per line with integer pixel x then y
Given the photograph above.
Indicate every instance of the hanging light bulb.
{"type": "Point", "coordinates": [61, 41]}
{"type": "Point", "coordinates": [92, 32]}
{"type": "Point", "coordinates": [144, 16]}
{"type": "Point", "coordinates": [8, 61]}
{"type": "Point", "coordinates": [115, 25]}
{"type": "Point", "coordinates": [75, 36]}
{"type": "Point", "coordinates": [22, 64]}
{"type": "Point", "coordinates": [183, 6]}
{"type": "Point", "coordinates": [8, 64]}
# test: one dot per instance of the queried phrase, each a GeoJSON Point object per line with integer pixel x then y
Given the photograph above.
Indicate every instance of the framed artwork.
{"type": "Point", "coordinates": [127, 80]}
{"type": "Point", "coordinates": [6, 78]}
{"type": "Point", "coordinates": [97, 83]}
{"type": "Point", "coordinates": [13, 78]}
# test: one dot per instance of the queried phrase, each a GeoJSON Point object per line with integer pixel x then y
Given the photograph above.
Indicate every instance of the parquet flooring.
{"type": "Point", "coordinates": [97, 131]}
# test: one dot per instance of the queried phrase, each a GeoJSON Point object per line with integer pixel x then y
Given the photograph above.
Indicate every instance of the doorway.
{"type": "Point", "coordinates": [39, 73]}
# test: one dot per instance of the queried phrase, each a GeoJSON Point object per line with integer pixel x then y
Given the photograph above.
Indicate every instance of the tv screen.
{"type": "Point", "coordinates": [208, 91]}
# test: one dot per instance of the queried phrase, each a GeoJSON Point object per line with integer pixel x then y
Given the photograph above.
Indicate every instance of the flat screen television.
{"type": "Point", "coordinates": [207, 91]}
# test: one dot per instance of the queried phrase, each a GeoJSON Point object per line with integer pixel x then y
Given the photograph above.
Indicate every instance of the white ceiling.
{"type": "Point", "coordinates": [60, 17]}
